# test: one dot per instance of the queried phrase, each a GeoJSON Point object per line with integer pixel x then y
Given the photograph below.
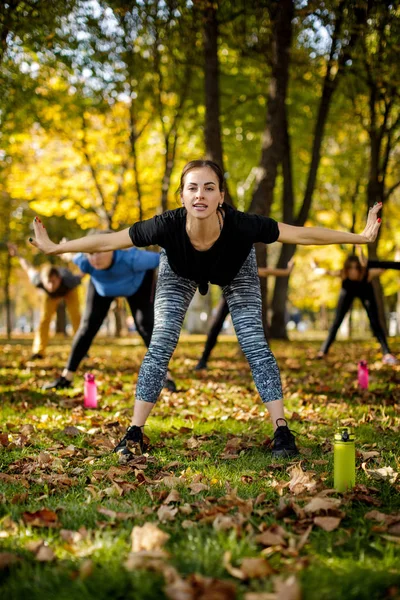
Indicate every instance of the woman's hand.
{"type": "Point", "coordinates": [290, 266]}
{"type": "Point", "coordinates": [42, 240]}
{"type": "Point", "coordinates": [373, 223]}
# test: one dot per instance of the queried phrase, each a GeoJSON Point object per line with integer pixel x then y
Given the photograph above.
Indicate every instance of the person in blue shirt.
{"type": "Point", "coordinates": [119, 273]}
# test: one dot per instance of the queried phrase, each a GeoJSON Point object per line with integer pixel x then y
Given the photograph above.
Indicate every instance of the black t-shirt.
{"type": "Point", "coordinates": [359, 288]}
{"type": "Point", "coordinates": [220, 263]}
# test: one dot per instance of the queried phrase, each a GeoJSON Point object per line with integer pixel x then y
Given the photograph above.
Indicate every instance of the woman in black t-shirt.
{"type": "Point", "coordinates": [207, 241]}
{"type": "Point", "coordinates": [357, 276]}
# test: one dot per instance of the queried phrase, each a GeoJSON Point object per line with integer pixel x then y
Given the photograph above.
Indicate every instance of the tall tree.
{"type": "Point", "coordinates": [272, 147]}
{"type": "Point", "coordinates": [349, 18]}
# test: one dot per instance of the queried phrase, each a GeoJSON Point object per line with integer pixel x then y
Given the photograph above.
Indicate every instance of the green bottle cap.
{"type": "Point", "coordinates": [344, 435]}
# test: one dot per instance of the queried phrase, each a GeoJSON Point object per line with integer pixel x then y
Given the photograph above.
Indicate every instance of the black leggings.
{"type": "Point", "coordinates": [142, 307]}
{"type": "Point", "coordinates": [369, 302]}
{"type": "Point", "coordinates": [215, 329]}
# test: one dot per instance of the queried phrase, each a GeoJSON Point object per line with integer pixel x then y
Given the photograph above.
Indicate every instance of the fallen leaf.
{"type": "Point", "coordinates": [301, 480]}
{"type": "Point", "coordinates": [173, 496]}
{"type": "Point", "coordinates": [255, 568]}
{"type": "Point", "coordinates": [384, 473]}
{"type": "Point", "coordinates": [196, 488]}
{"type": "Point", "coordinates": [318, 504]}
{"type": "Point", "coordinates": [250, 568]}
{"type": "Point", "coordinates": [271, 537]}
{"type": "Point", "coordinates": [41, 518]}
{"type": "Point", "coordinates": [71, 431]}
{"type": "Point", "coordinates": [148, 538]}
{"type": "Point", "coordinates": [45, 554]}
{"type": "Point", "coordinates": [327, 523]}
{"type": "Point", "coordinates": [166, 513]}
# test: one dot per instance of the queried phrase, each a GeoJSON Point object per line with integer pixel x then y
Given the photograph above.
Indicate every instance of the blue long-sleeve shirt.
{"type": "Point", "coordinates": [125, 275]}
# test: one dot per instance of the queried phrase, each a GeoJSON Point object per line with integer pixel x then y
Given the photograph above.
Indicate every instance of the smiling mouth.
{"type": "Point", "coordinates": [201, 206]}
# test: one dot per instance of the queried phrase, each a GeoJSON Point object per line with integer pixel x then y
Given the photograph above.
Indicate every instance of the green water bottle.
{"type": "Point", "coordinates": [344, 460]}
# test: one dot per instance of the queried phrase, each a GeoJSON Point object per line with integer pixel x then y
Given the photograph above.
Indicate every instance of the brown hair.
{"type": "Point", "coordinates": [201, 164]}
{"type": "Point", "coordinates": [48, 271]}
{"type": "Point", "coordinates": [352, 259]}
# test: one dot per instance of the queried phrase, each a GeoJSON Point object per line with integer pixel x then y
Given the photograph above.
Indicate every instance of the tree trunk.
{"type": "Point", "coordinates": [7, 297]}
{"type": "Point", "coordinates": [273, 136]}
{"type": "Point", "coordinates": [335, 69]}
{"type": "Point", "coordinates": [212, 126]}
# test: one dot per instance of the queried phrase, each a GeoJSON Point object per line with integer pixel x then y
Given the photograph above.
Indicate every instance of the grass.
{"type": "Point", "coordinates": [44, 466]}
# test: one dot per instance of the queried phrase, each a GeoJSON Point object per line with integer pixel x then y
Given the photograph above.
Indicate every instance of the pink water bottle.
{"type": "Point", "coordinates": [90, 391]}
{"type": "Point", "coordinates": [363, 374]}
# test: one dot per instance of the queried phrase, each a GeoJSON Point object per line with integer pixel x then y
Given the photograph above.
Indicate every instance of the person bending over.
{"type": "Point", "coordinates": [121, 273]}
{"type": "Point", "coordinates": [56, 284]}
{"type": "Point", "coordinates": [207, 241]}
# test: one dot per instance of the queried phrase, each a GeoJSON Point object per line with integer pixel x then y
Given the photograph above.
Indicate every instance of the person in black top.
{"type": "Point", "coordinates": [357, 275]}
{"type": "Point", "coordinates": [207, 241]}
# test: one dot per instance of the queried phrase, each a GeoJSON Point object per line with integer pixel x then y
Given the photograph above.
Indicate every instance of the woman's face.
{"type": "Point", "coordinates": [101, 260]}
{"type": "Point", "coordinates": [201, 194]}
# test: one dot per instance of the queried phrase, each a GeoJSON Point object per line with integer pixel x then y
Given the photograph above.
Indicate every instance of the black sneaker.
{"type": "Point", "coordinates": [132, 444]}
{"type": "Point", "coordinates": [61, 383]}
{"type": "Point", "coordinates": [201, 365]}
{"type": "Point", "coordinates": [169, 384]}
{"type": "Point", "coordinates": [36, 356]}
{"type": "Point", "coordinates": [284, 442]}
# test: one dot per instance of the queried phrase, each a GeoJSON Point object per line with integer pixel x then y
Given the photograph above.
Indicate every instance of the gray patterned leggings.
{"type": "Point", "coordinates": [173, 296]}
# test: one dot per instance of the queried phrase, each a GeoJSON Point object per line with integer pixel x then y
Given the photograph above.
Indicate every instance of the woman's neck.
{"type": "Point", "coordinates": [203, 233]}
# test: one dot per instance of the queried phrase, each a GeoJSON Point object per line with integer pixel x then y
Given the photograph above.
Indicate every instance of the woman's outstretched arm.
{"type": "Point", "coordinates": [288, 234]}
{"type": "Point", "coordinates": [90, 243]}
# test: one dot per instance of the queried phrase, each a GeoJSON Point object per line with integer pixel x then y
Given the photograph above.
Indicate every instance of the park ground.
{"type": "Point", "coordinates": [208, 514]}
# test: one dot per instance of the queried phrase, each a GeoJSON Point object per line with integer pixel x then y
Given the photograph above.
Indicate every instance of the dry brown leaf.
{"type": "Point", "coordinates": [197, 587]}
{"type": "Point", "coordinates": [255, 568]}
{"type": "Point", "coordinates": [367, 455]}
{"type": "Point", "coordinates": [327, 523]}
{"type": "Point", "coordinates": [41, 518]}
{"type": "Point", "coordinates": [318, 504]}
{"type": "Point", "coordinates": [186, 524]}
{"type": "Point", "coordinates": [301, 480]}
{"type": "Point", "coordinates": [71, 431]}
{"type": "Point", "coordinates": [382, 517]}
{"type": "Point", "coordinates": [166, 513]}
{"type": "Point", "coordinates": [250, 568]}
{"type": "Point", "coordinates": [173, 496]}
{"type": "Point", "coordinates": [196, 488]}
{"type": "Point", "coordinates": [148, 538]}
{"type": "Point", "coordinates": [45, 554]}
{"type": "Point", "coordinates": [4, 441]}
{"type": "Point", "coordinates": [226, 522]}
{"type": "Point", "coordinates": [273, 536]}
{"type": "Point", "coordinates": [44, 459]}
{"type": "Point", "coordinates": [27, 429]}
{"type": "Point", "coordinates": [384, 473]}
